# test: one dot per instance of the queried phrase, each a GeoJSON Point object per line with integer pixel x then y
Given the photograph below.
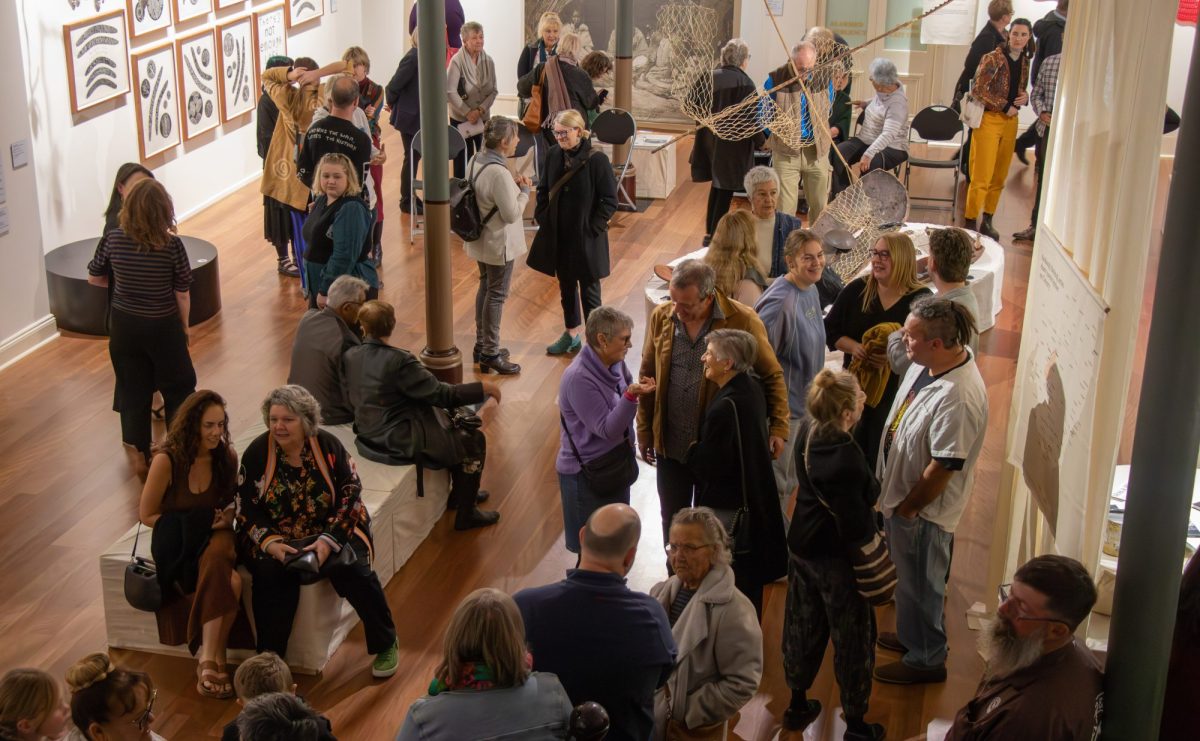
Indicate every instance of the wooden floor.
{"type": "Point", "coordinates": [67, 491]}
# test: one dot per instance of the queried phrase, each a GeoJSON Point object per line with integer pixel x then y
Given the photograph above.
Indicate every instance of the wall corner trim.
{"type": "Point", "coordinates": [27, 340]}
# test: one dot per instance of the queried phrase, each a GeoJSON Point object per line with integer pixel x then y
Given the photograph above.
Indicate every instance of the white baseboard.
{"type": "Point", "coordinates": [250, 178]}
{"type": "Point", "coordinates": [27, 340]}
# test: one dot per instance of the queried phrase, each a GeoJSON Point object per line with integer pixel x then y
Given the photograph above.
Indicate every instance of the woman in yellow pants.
{"type": "Point", "coordinates": [1000, 83]}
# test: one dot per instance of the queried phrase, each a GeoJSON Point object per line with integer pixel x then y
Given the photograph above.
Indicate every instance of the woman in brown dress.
{"type": "Point", "coordinates": [188, 500]}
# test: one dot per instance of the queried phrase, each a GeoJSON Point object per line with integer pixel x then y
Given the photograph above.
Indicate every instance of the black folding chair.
{"type": "Point", "coordinates": [617, 127]}
{"type": "Point", "coordinates": [937, 123]}
{"type": "Point", "coordinates": [457, 148]}
{"type": "Point", "coordinates": [528, 141]}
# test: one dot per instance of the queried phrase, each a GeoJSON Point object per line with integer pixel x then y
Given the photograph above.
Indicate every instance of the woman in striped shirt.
{"type": "Point", "coordinates": [151, 301]}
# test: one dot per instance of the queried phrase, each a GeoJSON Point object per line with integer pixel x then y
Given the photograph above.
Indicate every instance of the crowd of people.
{"type": "Point", "coordinates": [768, 464]}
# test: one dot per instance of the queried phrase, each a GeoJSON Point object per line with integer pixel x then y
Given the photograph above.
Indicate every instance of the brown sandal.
{"type": "Point", "coordinates": [208, 681]}
{"type": "Point", "coordinates": [226, 678]}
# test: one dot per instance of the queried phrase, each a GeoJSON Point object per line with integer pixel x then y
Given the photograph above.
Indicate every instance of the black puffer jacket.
{"type": "Point", "coordinates": [837, 468]}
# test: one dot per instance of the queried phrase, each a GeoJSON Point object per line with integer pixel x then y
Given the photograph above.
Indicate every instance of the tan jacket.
{"type": "Point", "coordinates": [656, 363]}
{"type": "Point", "coordinates": [720, 660]}
{"type": "Point", "coordinates": [296, 106]}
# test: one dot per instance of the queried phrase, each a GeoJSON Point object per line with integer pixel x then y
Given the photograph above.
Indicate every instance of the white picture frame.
{"type": "Point", "coordinates": [222, 4]}
{"type": "Point", "coordinates": [156, 99]}
{"type": "Point", "coordinates": [186, 10]}
{"type": "Point", "coordinates": [236, 67]}
{"type": "Point", "coordinates": [97, 52]}
{"type": "Point", "coordinates": [147, 16]}
{"type": "Point", "coordinates": [270, 33]}
{"type": "Point", "coordinates": [303, 11]}
{"type": "Point", "coordinates": [199, 86]}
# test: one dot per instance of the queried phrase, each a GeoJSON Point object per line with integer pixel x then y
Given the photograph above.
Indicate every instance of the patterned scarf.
{"type": "Point", "coordinates": [475, 675]}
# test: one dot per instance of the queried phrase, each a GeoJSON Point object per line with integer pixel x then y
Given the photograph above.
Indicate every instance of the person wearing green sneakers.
{"type": "Point", "coordinates": [576, 196]}
{"type": "Point", "coordinates": [300, 506]}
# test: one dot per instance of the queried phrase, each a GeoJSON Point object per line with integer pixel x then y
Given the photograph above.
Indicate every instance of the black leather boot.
{"type": "Point", "coordinates": [986, 228]}
{"type": "Point", "coordinates": [464, 487]}
{"type": "Point", "coordinates": [970, 225]}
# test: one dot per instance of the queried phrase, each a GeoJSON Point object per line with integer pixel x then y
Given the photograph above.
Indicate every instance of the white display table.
{"type": "Point", "coordinates": [655, 170]}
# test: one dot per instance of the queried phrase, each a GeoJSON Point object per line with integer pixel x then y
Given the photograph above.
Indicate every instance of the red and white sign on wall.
{"type": "Point", "coordinates": [1188, 11]}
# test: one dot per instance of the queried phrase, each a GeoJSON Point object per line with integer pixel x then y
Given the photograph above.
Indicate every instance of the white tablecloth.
{"type": "Point", "coordinates": [655, 170]}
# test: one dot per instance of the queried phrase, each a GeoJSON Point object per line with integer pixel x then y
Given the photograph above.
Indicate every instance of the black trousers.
{"type": "Point", "coordinates": [474, 144]}
{"type": "Point", "coordinates": [1039, 167]}
{"type": "Point", "coordinates": [405, 171]}
{"type": "Point", "coordinates": [718, 205]}
{"type": "Point", "coordinates": [572, 293]}
{"type": "Point", "coordinates": [852, 150]}
{"type": "Point", "coordinates": [277, 594]}
{"type": "Point", "coordinates": [1028, 138]}
{"type": "Point", "coordinates": [676, 490]}
{"type": "Point", "coordinates": [148, 354]}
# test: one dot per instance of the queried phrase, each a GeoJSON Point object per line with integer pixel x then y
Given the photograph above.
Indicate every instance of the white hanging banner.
{"type": "Point", "coordinates": [952, 25]}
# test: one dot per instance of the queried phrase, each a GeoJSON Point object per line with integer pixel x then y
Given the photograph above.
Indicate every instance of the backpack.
{"type": "Point", "coordinates": [465, 219]}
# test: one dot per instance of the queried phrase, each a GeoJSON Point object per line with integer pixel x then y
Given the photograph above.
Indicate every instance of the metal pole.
{"type": "Point", "coordinates": [623, 95]}
{"type": "Point", "coordinates": [440, 355]}
{"type": "Point", "coordinates": [1163, 470]}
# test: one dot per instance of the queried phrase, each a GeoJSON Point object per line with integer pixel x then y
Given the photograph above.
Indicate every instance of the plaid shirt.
{"type": "Point", "coordinates": [1042, 98]}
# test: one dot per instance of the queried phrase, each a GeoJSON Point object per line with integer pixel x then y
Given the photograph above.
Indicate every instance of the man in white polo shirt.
{"type": "Point", "coordinates": [926, 468]}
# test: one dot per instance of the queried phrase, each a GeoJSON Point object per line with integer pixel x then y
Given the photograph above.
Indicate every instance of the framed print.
{"type": "Point", "coordinates": [270, 34]}
{"type": "Point", "coordinates": [303, 11]}
{"type": "Point", "coordinates": [222, 4]}
{"type": "Point", "coordinates": [235, 67]}
{"type": "Point", "coordinates": [157, 99]}
{"type": "Point", "coordinates": [186, 10]}
{"type": "Point", "coordinates": [97, 59]}
{"type": "Point", "coordinates": [148, 15]}
{"type": "Point", "coordinates": [196, 60]}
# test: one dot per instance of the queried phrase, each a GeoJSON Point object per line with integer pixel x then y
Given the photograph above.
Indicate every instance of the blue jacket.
{"type": "Point", "coordinates": [404, 95]}
{"type": "Point", "coordinates": [536, 711]}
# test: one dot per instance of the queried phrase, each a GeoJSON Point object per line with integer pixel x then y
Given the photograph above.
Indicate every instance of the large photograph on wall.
{"type": "Point", "coordinates": [196, 58]}
{"type": "Point", "coordinates": [653, 64]}
{"type": "Point", "coordinates": [157, 99]}
{"type": "Point", "coordinates": [97, 59]}
{"type": "Point", "coordinates": [235, 67]}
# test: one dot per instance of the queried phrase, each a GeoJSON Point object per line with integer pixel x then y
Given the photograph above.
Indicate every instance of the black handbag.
{"type": "Point", "coordinates": [142, 590]}
{"type": "Point", "coordinates": [610, 473]}
{"type": "Point", "coordinates": [304, 563]}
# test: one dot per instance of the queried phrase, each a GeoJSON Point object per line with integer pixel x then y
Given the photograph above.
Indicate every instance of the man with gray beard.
{"type": "Point", "coordinates": [1040, 682]}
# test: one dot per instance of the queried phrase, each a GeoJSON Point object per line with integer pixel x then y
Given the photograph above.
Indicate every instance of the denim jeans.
{"type": "Point", "coordinates": [578, 504]}
{"type": "Point", "coordinates": [921, 552]}
{"type": "Point", "coordinates": [784, 468]}
{"type": "Point", "coordinates": [489, 305]}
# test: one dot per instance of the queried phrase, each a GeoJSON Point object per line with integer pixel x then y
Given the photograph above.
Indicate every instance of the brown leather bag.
{"type": "Point", "coordinates": [677, 731]}
{"type": "Point", "coordinates": [532, 120]}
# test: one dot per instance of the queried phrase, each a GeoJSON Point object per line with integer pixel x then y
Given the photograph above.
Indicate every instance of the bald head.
{"type": "Point", "coordinates": [344, 92]}
{"type": "Point", "coordinates": [611, 535]}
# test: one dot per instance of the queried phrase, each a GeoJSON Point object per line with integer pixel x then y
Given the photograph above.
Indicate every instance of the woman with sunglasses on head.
{"type": "Point", "coordinates": [867, 310]}
{"type": "Point", "coordinates": [576, 196]}
{"type": "Point", "coordinates": [109, 703]}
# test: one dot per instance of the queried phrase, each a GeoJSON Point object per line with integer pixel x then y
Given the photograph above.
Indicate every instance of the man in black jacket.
{"type": "Point", "coordinates": [337, 134]}
{"type": "Point", "coordinates": [1049, 32]}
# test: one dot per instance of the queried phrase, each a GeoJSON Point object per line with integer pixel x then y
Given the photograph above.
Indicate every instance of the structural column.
{"type": "Point", "coordinates": [439, 355]}
{"type": "Point", "coordinates": [1163, 468]}
{"type": "Point", "coordinates": [623, 95]}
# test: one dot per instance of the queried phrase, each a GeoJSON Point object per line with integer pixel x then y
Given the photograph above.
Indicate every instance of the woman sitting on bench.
{"type": "Point", "coordinates": [300, 506]}
{"type": "Point", "coordinates": [403, 414]}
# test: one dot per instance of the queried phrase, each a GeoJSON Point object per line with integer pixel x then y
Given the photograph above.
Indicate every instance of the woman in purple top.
{"type": "Point", "coordinates": [598, 401]}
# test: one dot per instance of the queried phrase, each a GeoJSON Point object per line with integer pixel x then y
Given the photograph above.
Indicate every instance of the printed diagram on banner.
{"type": "Point", "coordinates": [148, 15]}
{"type": "Point", "coordinates": [235, 67]}
{"type": "Point", "coordinates": [186, 10]}
{"type": "Point", "coordinates": [157, 100]}
{"type": "Point", "coordinates": [197, 62]}
{"type": "Point", "coordinates": [270, 33]}
{"type": "Point", "coordinates": [953, 24]}
{"type": "Point", "coordinates": [97, 59]}
{"type": "Point", "coordinates": [303, 11]}
{"type": "Point", "coordinates": [1056, 382]}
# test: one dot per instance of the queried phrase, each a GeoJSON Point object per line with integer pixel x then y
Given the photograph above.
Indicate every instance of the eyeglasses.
{"type": "Point", "coordinates": [564, 133]}
{"type": "Point", "coordinates": [881, 254]}
{"type": "Point", "coordinates": [143, 721]}
{"type": "Point", "coordinates": [1004, 592]}
{"type": "Point", "coordinates": [688, 548]}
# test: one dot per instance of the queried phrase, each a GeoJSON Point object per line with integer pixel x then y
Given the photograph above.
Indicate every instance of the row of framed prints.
{"type": "Point", "coordinates": [147, 16]}
{"type": "Point", "coordinates": [182, 88]}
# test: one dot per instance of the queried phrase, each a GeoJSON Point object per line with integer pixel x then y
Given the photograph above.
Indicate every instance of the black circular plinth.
{"type": "Point", "coordinates": [80, 307]}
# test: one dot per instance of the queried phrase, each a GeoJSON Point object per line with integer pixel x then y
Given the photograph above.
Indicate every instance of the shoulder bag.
{"type": "Point", "coordinates": [570, 173]}
{"type": "Point", "coordinates": [738, 524]}
{"type": "Point", "coordinates": [874, 572]}
{"type": "Point", "coordinates": [142, 590]}
{"type": "Point", "coordinates": [972, 111]}
{"type": "Point", "coordinates": [610, 473]}
{"type": "Point", "coordinates": [532, 120]}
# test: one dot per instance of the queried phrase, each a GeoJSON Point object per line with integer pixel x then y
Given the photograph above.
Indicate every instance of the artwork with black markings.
{"type": "Point", "coordinates": [157, 100]}
{"type": "Point", "coordinates": [196, 57]}
{"type": "Point", "coordinates": [97, 51]}
{"type": "Point", "coordinates": [148, 15]}
{"type": "Point", "coordinates": [270, 30]}
{"type": "Point", "coordinates": [186, 10]}
{"type": "Point", "coordinates": [302, 11]}
{"type": "Point", "coordinates": [236, 68]}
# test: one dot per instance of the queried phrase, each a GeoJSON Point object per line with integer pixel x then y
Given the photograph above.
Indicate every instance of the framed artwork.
{"type": "Point", "coordinates": [97, 59]}
{"type": "Point", "coordinates": [655, 63]}
{"type": "Point", "coordinates": [235, 67]}
{"type": "Point", "coordinates": [196, 60]}
{"type": "Point", "coordinates": [148, 15]}
{"type": "Point", "coordinates": [186, 10]}
{"type": "Point", "coordinates": [270, 34]}
{"type": "Point", "coordinates": [222, 4]}
{"type": "Point", "coordinates": [157, 99]}
{"type": "Point", "coordinates": [303, 11]}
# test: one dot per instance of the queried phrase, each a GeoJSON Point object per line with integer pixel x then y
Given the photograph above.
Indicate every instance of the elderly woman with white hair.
{"type": "Point", "coordinates": [731, 459]}
{"type": "Point", "coordinates": [881, 142]}
{"type": "Point", "coordinates": [301, 510]}
{"type": "Point", "coordinates": [714, 625]}
{"type": "Point", "coordinates": [722, 161]}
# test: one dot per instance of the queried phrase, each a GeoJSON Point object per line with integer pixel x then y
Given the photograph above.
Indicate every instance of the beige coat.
{"type": "Point", "coordinates": [720, 658]}
{"type": "Point", "coordinates": [503, 236]}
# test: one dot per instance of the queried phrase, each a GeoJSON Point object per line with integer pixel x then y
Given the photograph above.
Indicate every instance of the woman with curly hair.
{"type": "Point", "coordinates": [733, 255]}
{"type": "Point", "coordinates": [188, 501]}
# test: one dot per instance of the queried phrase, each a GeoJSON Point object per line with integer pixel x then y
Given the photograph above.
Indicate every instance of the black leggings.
{"type": "Point", "coordinates": [148, 354]}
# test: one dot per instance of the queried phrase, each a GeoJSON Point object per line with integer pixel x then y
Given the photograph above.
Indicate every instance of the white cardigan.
{"type": "Point", "coordinates": [503, 237]}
